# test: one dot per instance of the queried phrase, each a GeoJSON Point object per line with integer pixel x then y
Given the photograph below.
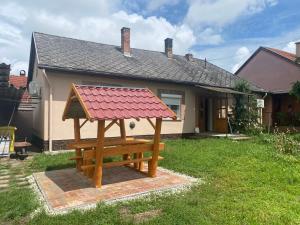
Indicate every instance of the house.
{"type": "Point", "coordinates": [16, 108]}
{"type": "Point", "coordinates": [275, 71]}
{"type": "Point", "coordinates": [199, 92]}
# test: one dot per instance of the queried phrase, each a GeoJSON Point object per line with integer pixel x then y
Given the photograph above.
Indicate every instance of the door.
{"type": "Point", "coordinates": [220, 115]}
{"type": "Point", "coordinates": [201, 114]}
{"type": "Point", "coordinates": [209, 114]}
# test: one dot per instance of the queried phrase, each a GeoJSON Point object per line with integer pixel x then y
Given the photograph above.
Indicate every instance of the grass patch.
{"type": "Point", "coordinates": [17, 203]}
{"type": "Point", "coordinates": [45, 162]}
{"type": "Point", "coordinates": [245, 183]}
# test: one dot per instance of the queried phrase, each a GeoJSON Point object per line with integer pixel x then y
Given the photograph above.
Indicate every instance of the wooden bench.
{"type": "Point", "coordinates": [135, 147]}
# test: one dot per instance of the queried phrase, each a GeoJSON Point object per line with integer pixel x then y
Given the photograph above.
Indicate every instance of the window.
{"type": "Point", "coordinates": [173, 102]}
{"type": "Point", "coordinates": [221, 108]}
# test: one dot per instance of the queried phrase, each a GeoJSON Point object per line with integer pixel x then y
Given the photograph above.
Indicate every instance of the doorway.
{"type": "Point", "coordinates": [209, 114]}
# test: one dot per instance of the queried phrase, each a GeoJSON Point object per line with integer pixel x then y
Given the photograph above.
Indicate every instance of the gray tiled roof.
{"type": "Point", "coordinates": [78, 55]}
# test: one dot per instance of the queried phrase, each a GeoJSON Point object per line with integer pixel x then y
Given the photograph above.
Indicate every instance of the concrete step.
{"type": "Point", "coordinates": [4, 177]}
{"type": "Point", "coordinates": [4, 182]}
{"type": "Point", "coordinates": [4, 186]}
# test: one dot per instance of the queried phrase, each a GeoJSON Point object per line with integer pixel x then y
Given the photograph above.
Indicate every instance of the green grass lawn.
{"type": "Point", "coordinates": [245, 183]}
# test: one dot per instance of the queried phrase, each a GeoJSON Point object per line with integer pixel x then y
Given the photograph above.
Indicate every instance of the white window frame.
{"type": "Point", "coordinates": [173, 97]}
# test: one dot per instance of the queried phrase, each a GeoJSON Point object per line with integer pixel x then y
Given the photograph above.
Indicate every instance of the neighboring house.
{"type": "Point", "coordinates": [275, 71]}
{"type": "Point", "coordinates": [15, 102]}
{"type": "Point", "coordinates": [196, 90]}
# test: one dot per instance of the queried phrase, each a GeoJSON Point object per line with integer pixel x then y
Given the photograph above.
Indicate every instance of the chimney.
{"type": "Point", "coordinates": [169, 47]}
{"type": "Point", "coordinates": [125, 41]}
{"type": "Point", "coordinates": [298, 51]}
{"type": "Point", "coordinates": [189, 57]}
{"type": "Point", "coordinates": [22, 73]}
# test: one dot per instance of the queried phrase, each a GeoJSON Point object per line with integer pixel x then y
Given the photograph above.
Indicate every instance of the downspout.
{"type": "Point", "coordinates": [49, 111]}
{"type": "Point", "coordinates": [269, 115]}
{"type": "Point", "coordinates": [265, 95]}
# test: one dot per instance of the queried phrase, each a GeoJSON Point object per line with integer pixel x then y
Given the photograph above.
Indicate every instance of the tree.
{"type": "Point", "coordinates": [295, 91]}
{"type": "Point", "coordinates": [245, 112]}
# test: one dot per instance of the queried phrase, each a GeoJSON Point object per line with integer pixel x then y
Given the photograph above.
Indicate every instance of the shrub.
{"type": "Point", "coordinates": [245, 112]}
{"type": "Point", "coordinates": [285, 143]}
{"type": "Point", "coordinates": [295, 91]}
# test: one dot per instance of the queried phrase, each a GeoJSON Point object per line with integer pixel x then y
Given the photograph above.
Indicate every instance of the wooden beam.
{"type": "Point", "coordinates": [108, 142]}
{"type": "Point", "coordinates": [74, 97]}
{"type": "Point", "coordinates": [123, 136]}
{"type": "Point", "coordinates": [141, 164]}
{"type": "Point", "coordinates": [77, 139]}
{"type": "Point", "coordinates": [152, 165]}
{"type": "Point", "coordinates": [120, 163]}
{"type": "Point", "coordinates": [120, 150]}
{"type": "Point", "coordinates": [84, 123]}
{"type": "Point", "coordinates": [99, 154]}
{"type": "Point", "coordinates": [122, 129]}
{"type": "Point", "coordinates": [151, 123]}
{"type": "Point", "coordinates": [110, 125]}
{"type": "Point", "coordinates": [69, 101]}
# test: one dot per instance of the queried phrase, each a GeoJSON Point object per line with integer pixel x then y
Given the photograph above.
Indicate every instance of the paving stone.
{"type": "Point", "coordinates": [67, 188]}
{"type": "Point", "coordinates": [21, 178]}
{"type": "Point", "coordinates": [22, 183]}
{"type": "Point", "coordinates": [4, 185]}
{"type": "Point", "coordinates": [4, 181]}
{"type": "Point", "coordinates": [4, 177]}
{"type": "Point", "coordinates": [4, 172]}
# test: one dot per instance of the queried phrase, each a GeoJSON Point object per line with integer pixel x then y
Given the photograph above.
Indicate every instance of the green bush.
{"type": "Point", "coordinates": [281, 118]}
{"type": "Point", "coordinates": [245, 112]}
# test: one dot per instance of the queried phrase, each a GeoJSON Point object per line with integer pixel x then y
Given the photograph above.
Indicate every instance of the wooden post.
{"type": "Point", "coordinates": [141, 164]}
{"type": "Point", "coordinates": [99, 154]}
{"type": "Point", "coordinates": [123, 136]}
{"type": "Point", "coordinates": [77, 139]}
{"type": "Point", "coordinates": [152, 166]}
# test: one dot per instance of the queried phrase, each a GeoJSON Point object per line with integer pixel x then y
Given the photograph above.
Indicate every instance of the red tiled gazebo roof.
{"type": "Point", "coordinates": [109, 103]}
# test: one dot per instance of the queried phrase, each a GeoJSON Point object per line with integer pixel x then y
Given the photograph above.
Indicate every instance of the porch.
{"type": "Point", "coordinates": [213, 107]}
{"type": "Point", "coordinates": [283, 111]}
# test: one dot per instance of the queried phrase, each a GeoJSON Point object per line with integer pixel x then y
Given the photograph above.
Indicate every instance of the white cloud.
{"type": "Point", "coordinates": [157, 4]}
{"type": "Point", "coordinates": [101, 21]}
{"type": "Point", "coordinates": [241, 55]}
{"type": "Point", "coordinates": [146, 32]}
{"type": "Point", "coordinates": [13, 12]}
{"type": "Point", "coordinates": [221, 12]}
{"type": "Point", "coordinates": [291, 46]}
{"type": "Point", "coordinates": [209, 36]}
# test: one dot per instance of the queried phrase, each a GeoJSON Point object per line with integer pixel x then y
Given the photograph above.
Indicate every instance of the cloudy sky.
{"type": "Point", "coordinates": [226, 32]}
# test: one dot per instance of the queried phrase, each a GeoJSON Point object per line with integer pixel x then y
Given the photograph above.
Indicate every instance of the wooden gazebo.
{"type": "Point", "coordinates": [114, 104]}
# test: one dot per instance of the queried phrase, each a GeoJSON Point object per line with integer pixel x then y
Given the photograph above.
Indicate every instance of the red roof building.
{"type": "Point", "coordinates": [108, 103]}
{"type": "Point", "coordinates": [18, 81]}
{"type": "Point", "coordinates": [284, 54]}
{"type": "Point", "coordinates": [272, 69]}
{"type": "Point", "coordinates": [275, 71]}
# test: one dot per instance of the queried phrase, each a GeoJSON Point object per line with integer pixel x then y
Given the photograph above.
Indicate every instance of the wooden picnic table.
{"type": "Point", "coordinates": [114, 147]}
{"type": "Point", "coordinates": [86, 102]}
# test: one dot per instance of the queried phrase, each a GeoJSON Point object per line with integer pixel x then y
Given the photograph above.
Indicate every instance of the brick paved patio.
{"type": "Point", "coordinates": [65, 189]}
